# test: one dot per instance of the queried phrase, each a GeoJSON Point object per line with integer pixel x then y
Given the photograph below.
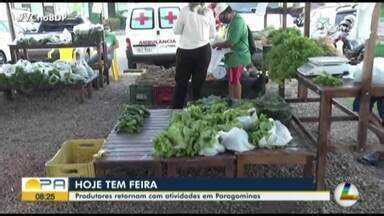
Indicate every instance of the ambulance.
{"type": "Point", "coordinates": [149, 33]}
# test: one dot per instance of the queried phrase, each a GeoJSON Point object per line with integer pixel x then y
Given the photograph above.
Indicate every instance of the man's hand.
{"type": "Point", "coordinates": [222, 45]}
{"type": "Point", "coordinates": [216, 46]}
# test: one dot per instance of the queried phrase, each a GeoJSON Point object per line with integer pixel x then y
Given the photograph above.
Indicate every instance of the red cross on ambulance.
{"type": "Point", "coordinates": [142, 18]}
{"type": "Point", "coordinates": [170, 17]}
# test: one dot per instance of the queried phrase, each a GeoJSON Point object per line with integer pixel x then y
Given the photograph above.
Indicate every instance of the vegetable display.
{"type": "Point", "coordinates": [84, 33]}
{"type": "Point", "coordinates": [157, 76]}
{"type": "Point", "coordinates": [26, 75]}
{"type": "Point", "coordinates": [132, 118]}
{"type": "Point", "coordinates": [289, 51]}
{"type": "Point", "coordinates": [325, 79]}
{"type": "Point", "coordinates": [196, 129]}
{"type": "Point", "coordinates": [42, 39]}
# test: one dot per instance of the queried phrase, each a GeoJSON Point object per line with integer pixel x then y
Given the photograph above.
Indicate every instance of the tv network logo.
{"type": "Point", "coordinates": [346, 194]}
{"type": "Point", "coordinates": [44, 189]}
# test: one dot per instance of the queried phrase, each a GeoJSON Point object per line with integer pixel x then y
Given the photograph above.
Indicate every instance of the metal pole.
{"type": "Point", "coordinates": [282, 86]}
{"type": "Point", "coordinates": [307, 17]}
{"type": "Point", "coordinates": [10, 22]}
{"type": "Point", "coordinates": [284, 15]}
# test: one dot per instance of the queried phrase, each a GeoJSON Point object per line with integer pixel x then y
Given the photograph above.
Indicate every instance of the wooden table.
{"type": "Point", "coordinates": [100, 46]}
{"type": "Point", "coordinates": [327, 95]}
{"type": "Point", "coordinates": [124, 152]}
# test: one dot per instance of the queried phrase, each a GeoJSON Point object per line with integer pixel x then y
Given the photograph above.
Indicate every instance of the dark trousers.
{"type": "Point", "coordinates": [190, 63]}
{"type": "Point", "coordinates": [379, 103]}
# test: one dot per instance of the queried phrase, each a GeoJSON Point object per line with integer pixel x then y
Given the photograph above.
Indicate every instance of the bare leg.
{"type": "Point", "coordinates": [230, 88]}
{"type": "Point", "coordinates": [237, 91]}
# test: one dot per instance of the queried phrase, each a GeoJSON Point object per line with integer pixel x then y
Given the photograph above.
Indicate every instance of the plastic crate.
{"type": "Point", "coordinates": [141, 94]}
{"type": "Point", "coordinates": [74, 159]}
{"type": "Point", "coordinates": [163, 95]}
{"type": "Point", "coordinates": [215, 87]}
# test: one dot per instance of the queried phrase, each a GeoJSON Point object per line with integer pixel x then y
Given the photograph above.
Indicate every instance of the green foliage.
{"type": "Point", "coordinates": [279, 35]}
{"type": "Point", "coordinates": [289, 51]}
{"type": "Point", "coordinates": [325, 79]}
{"type": "Point", "coordinates": [195, 128]}
{"type": "Point", "coordinates": [131, 119]}
{"type": "Point", "coordinates": [260, 130]}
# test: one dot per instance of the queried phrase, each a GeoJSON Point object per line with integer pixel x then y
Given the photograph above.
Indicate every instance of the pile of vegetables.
{"type": "Point", "coordinates": [84, 33]}
{"type": "Point", "coordinates": [194, 131]}
{"type": "Point", "coordinates": [274, 106]}
{"type": "Point", "coordinates": [42, 39]}
{"type": "Point", "coordinates": [157, 76]}
{"type": "Point", "coordinates": [26, 75]}
{"type": "Point", "coordinates": [132, 118]}
{"type": "Point", "coordinates": [290, 50]}
{"type": "Point", "coordinates": [33, 40]}
{"type": "Point", "coordinates": [325, 79]}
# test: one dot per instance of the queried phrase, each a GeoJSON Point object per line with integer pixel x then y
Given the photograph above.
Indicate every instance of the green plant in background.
{"type": "Point", "coordinates": [289, 51]}
{"type": "Point", "coordinates": [325, 79]}
{"type": "Point", "coordinates": [279, 35]}
{"type": "Point", "coordinates": [122, 18]}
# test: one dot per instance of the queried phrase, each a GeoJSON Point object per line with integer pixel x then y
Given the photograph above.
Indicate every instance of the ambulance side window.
{"type": "Point", "coordinates": [168, 16]}
{"type": "Point", "coordinates": [142, 18]}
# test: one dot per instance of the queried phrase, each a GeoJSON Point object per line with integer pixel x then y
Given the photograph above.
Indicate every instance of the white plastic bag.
{"type": "Point", "coordinates": [279, 136]}
{"type": "Point", "coordinates": [377, 71]}
{"type": "Point", "coordinates": [66, 36]}
{"type": "Point", "coordinates": [216, 56]}
{"type": "Point", "coordinates": [235, 140]}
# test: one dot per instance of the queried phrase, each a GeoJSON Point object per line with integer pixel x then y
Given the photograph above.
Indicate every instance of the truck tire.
{"type": "Point", "coordinates": [3, 58]}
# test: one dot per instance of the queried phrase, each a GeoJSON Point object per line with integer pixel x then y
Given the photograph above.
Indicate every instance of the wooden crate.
{"type": "Point", "coordinates": [281, 157]}
{"type": "Point", "coordinates": [226, 161]}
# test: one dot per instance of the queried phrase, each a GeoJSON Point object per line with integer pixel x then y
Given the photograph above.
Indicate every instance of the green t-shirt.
{"type": "Point", "coordinates": [237, 35]}
{"type": "Point", "coordinates": [110, 39]}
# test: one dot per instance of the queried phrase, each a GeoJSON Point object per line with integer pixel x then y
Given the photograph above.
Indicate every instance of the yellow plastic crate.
{"type": "Point", "coordinates": [74, 159]}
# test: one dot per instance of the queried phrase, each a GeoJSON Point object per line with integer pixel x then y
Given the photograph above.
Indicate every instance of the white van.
{"type": "Point", "coordinates": [149, 33]}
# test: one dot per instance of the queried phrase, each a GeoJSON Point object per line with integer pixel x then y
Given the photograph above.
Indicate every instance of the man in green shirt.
{"type": "Point", "coordinates": [237, 41]}
{"type": "Point", "coordinates": [112, 44]}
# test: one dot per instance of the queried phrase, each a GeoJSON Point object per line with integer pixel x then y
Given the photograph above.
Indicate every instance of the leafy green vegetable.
{"type": "Point", "coordinates": [193, 131]}
{"type": "Point", "coordinates": [289, 51]}
{"type": "Point", "coordinates": [261, 129]}
{"type": "Point", "coordinates": [131, 119]}
{"type": "Point", "coordinates": [325, 79]}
